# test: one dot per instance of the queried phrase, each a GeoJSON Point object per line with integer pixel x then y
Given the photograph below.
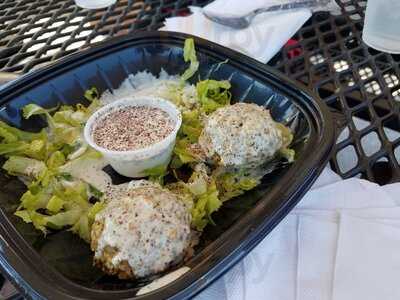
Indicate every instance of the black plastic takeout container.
{"type": "Point", "coordinates": [59, 267]}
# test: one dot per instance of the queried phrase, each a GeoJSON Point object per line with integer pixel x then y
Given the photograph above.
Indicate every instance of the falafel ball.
{"type": "Point", "coordinates": [141, 234]}
{"type": "Point", "coordinates": [240, 135]}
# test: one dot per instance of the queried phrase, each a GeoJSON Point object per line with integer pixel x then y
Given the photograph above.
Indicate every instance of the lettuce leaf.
{"type": "Point", "coordinates": [198, 184]}
{"type": "Point", "coordinates": [70, 117]}
{"type": "Point", "coordinates": [92, 94]}
{"type": "Point", "coordinates": [58, 221]}
{"type": "Point", "coordinates": [34, 109]}
{"type": "Point", "coordinates": [157, 173]}
{"type": "Point", "coordinates": [94, 192]}
{"type": "Point", "coordinates": [24, 166]}
{"type": "Point", "coordinates": [34, 201]}
{"type": "Point", "coordinates": [287, 138]}
{"type": "Point", "coordinates": [77, 116]}
{"type": "Point", "coordinates": [55, 204]}
{"type": "Point", "coordinates": [54, 199]}
{"type": "Point", "coordinates": [213, 94]}
{"type": "Point", "coordinates": [65, 126]}
{"type": "Point", "coordinates": [56, 159]}
{"type": "Point", "coordinates": [205, 197]}
{"type": "Point", "coordinates": [82, 228]}
{"type": "Point", "coordinates": [95, 209]}
{"type": "Point", "coordinates": [231, 185]}
{"type": "Point", "coordinates": [182, 151]}
{"type": "Point", "coordinates": [205, 204]}
{"type": "Point", "coordinates": [7, 136]}
{"type": "Point", "coordinates": [65, 206]}
{"type": "Point", "coordinates": [12, 134]}
{"type": "Point", "coordinates": [191, 125]}
{"type": "Point", "coordinates": [34, 149]}
{"type": "Point", "coordinates": [189, 54]}
{"type": "Point", "coordinates": [39, 221]}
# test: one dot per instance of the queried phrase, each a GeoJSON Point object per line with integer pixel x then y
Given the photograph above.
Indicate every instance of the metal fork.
{"type": "Point", "coordinates": [245, 21]}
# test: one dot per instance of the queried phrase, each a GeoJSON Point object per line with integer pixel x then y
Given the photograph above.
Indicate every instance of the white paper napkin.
{"type": "Point", "coordinates": [318, 235]}
{"type": "Point", "coordinates": [274, 261]}
{"type": "Point", "coordinates": [368, 260]}
{"type": "Point", "coordinates": [316, 257]}
{"type": "Point", "coordinates": [351, 193]}
{"type": "Point", "coordinates": [261, 40]}
{"type": "Point", "coordinates": [316, 242]}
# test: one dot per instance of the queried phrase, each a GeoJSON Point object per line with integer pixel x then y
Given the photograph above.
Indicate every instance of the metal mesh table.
{"type": "Point", "coordinates": [327, 55]}
{"type": "Point", "coordinates": [36, 32]}
{"type": "Point", "coordinates": [355, 80]}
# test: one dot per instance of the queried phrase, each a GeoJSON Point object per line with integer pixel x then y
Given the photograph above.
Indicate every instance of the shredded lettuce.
{"type": "Point", "coordinates": [287, 138]}
{"type": "Point", "coordinates": [56, 159]}
{"type": "Point", "coordinates": [231, 185]}
{"type": "Point", "coordinates": [12, 134]}
{"type": "Point", "coordinates": [55, 204]}
{"type": "Point", "coordinates": [200, 195]}
{"type": "Point", "coordinates": [70, 117]}
{"type": "Point", "coordinates": [157, 173]}
{"type": "Point", "coordinates": [189, 54]}
{"type": "Point", "coordinates": [182, 151]}
{"type": "Point", "coordinates": [94, 192]}
{"type": "Point", "coordinates": [24, 215]}
{"type": "Point", "coordinates": [64, 205]}
{"type": "Point", "coordinates": [82, 228]}
{"type": "Point", "coordinates": [34, 109]}
{"type": "Point", "coordinates": [55, 199]}
{"type": "Point", "coordinates": [205, 204]}
{"type": "Point", "coordinates": [24, 166]}
{"type": "Point", "coordinates": [198, 183]}
{"type": "Point", "coordinates": [92, 94]}
{"type": "Point", "coordinates": [32, 200]}
{"type": "Point", "coordinates": [34, 149]}
{"type": "Point", "coordinates": [95, 209]}
{"type": "Point", "coordinates": [213, 94]}
{"type": "Point", "coordinates": [191, 125]}
{"type": "Point", "coordinates": [38, 220]}
{"type": "Point", "coordinates": [7, 136]}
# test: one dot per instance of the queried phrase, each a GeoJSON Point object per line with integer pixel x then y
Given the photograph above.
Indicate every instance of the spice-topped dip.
{"type": "Point", "coordinates": [134, 134]}
{"type": "Point", "coordinates": [132, 128]}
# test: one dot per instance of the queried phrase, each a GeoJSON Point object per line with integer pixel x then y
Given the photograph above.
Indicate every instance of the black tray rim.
{"type": "Point", "coordinates": [36, 279]}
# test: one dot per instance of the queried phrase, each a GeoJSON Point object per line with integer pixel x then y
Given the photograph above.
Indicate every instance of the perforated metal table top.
{"type": "Point", "coordinates": [355, 80]}
{"type": "Point", "coordinates": [327, 55]}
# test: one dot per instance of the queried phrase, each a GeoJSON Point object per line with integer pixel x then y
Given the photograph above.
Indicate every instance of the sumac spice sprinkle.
{"type": "Point", "coordinates": [132, 128]}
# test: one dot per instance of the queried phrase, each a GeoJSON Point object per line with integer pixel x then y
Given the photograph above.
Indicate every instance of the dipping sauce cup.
{"type": "Point", "coordinates": [134, 163]}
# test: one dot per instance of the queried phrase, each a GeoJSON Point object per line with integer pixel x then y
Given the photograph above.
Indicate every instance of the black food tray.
{"type": "Point", "coordinates": [59, 267]}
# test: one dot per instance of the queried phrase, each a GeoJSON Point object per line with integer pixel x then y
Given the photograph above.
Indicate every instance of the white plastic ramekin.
{"type": "Point", "coordinates": [134, 163]}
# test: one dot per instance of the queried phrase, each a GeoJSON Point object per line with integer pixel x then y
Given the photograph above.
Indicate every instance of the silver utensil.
{"type": "Point", "coordinates": [245, 21]}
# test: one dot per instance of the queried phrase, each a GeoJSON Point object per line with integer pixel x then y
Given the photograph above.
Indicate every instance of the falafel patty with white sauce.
{"type": "Point", "coordinates": [141, 234]}
{"type": "Point", "coordinates": [243, 134]}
